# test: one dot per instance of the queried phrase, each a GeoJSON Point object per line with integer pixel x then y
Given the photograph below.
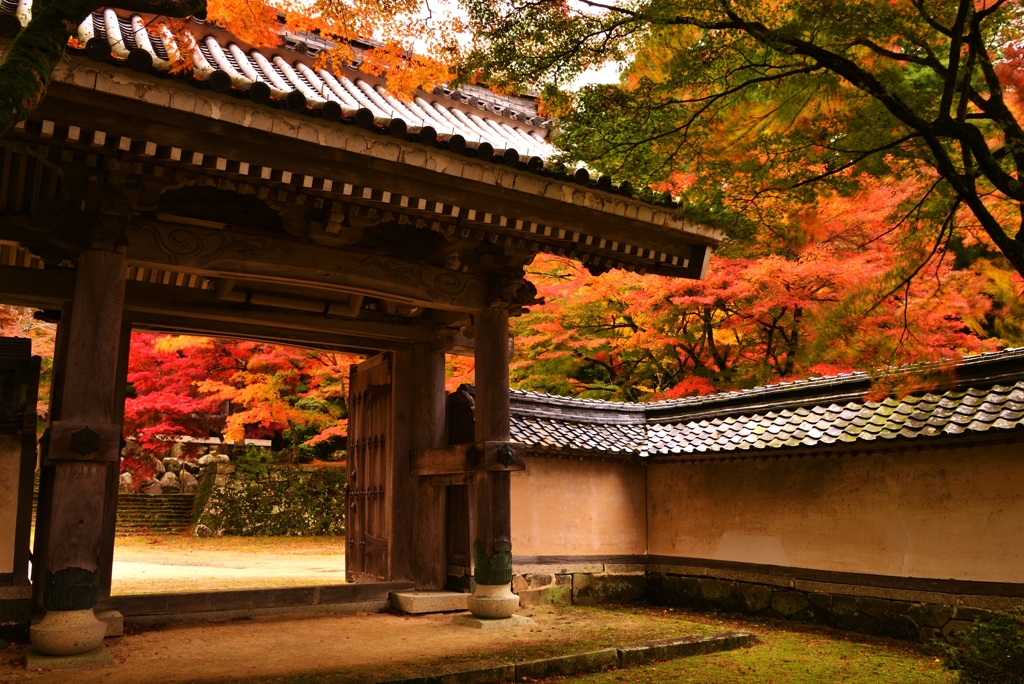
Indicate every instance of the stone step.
{"type": "Point", "coordinates": [429, 601]}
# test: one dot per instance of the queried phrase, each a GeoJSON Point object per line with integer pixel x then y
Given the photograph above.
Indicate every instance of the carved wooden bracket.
{"type": "Point", "coordinates": [469, 458]}
{"type": "Point", "coordinates": [97, 442]}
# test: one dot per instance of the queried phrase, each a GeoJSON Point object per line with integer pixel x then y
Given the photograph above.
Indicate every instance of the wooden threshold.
{"type": "Point", "coordinates": [249, 599]}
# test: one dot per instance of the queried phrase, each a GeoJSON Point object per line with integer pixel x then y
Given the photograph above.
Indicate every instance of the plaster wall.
{"type": "Point", "coordinates": [10, 465]}
{"type": "Point", "coordinates": [579, 508]}
{"type": "Point", "coordinates": [952, 514]}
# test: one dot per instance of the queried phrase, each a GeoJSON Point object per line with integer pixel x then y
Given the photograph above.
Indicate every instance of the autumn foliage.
{"type": "Point", "coordinates": [202, 387]}
{"type": "Point", "coordinates": [832, 293]}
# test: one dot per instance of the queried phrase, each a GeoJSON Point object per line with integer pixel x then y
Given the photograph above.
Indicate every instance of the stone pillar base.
{"type": "Point", "coordinates": [493, 601]}
{"type": "Point", "coordinates": [68, 632]}
{"type": "Point", "coordinates": [34, 660]}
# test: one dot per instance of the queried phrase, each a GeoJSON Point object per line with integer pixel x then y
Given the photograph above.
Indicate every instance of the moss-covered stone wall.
{"type": "Point", "coordinates": [277, 500]}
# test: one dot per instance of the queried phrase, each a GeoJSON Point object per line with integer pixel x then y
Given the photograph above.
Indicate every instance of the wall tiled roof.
{"type": "Point", "coordinates": [986, 396]}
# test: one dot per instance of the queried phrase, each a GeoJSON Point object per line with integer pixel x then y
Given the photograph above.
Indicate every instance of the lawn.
{"type": "Point", "coordinates": [794, 654]}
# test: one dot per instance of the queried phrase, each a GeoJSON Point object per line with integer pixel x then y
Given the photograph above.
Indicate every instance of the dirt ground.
{"type": "Point", "coordinates": [349, 647]}
{"type": "Point", "coordinates": [176, 563]}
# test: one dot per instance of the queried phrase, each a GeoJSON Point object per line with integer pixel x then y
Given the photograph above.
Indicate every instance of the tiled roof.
{"type": "Point", "coordinates": [471, 120]}
{"type": "Point", "coordinates": [275, 76]}
{"type": "Point", "coordinates": [987, 396]}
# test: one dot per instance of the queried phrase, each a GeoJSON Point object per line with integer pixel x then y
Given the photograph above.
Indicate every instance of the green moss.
{"type": "Point", "coordinates": [207, 480]}
{"type": "Point", "coordinates": [282, 501]}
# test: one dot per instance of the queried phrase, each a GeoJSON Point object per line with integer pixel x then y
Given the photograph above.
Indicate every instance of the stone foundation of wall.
{"type": "Point", "coordinates": [879, 611]}
{"type": "Point", "coordinates": [15, 613]}
{"type": "Point", "coordinates": [581, 584]}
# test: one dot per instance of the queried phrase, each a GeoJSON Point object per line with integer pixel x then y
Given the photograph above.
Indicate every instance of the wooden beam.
{"type": "Point", "coordinates": [248, 599]}
{"type": "Point", "coordinates": [149, 298]}
{"type": "Point", "coordinates": [229, 254]}
{"type": "Point", "coordinates": [469, 458]}
{"type": "Point", "coordinates": [181, 325]}
{"type": "Point", "coordinates": [192, 311]}
{"type": "Point", "coordinates": [191, 131]}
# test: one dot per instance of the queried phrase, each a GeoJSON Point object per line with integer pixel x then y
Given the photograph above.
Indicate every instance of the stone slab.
{"type": "Point", "coordinates": [504, 623]}
{"type": "Point", "coordinates": [574, 663]}
{"type": "Point", "coordinates": [37, 661]}
{"type": "Point", "coordinates": [114, 620]}
{"type": "Point", "coordinates": [429, 601]}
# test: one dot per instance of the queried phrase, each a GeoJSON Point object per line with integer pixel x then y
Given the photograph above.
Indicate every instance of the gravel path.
{"type": "Point", "coordinates": [145, 565]}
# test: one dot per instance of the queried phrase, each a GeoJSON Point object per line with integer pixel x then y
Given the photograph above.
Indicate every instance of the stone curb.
{"type": "Point", "coordinates": [488, 674]}
{"type": "Point", "coordinates": [669, 649]}
{"type": "Point", "coordinates": [592, 661]}
{"type": "Point", "coordinates": [574, 663]}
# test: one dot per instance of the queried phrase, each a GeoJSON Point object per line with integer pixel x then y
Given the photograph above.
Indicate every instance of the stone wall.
{"type": "Point", "coordinates": [580, 584]}
{"type": "Point", "coordinates": [279, 500]}
{"type": "Point", "coordinates": [912, 615]}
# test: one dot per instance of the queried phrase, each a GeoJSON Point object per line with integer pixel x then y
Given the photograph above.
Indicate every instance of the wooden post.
{"type": "Point", "coordinates": [46, 470]}
{"type": "Point", "coordinates": [114, 469]}
{"type": "Point", "coordinates": [492, 545]}
{"type": "Point", "coordinates": [85, 439]}
{"type": "Point", "coordinates": [428, 415]}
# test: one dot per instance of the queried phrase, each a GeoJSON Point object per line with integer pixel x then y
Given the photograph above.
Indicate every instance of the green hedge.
{"type": "Point", "coordinates": [283, 500]}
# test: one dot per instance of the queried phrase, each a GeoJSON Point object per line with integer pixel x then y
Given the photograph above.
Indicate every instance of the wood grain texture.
{"type": "Point", "coordinates": [80, 489]}
{"type": "Point", "coordinates": [23, 525]}
{"type": "Point", "coordinates": [221, 253]}
{"type": "Point", "coordinates": [401, 505]}
{"type": "Point", "coordinates": [91, 373]}
{"type": "Point", "coordinates": [369, 488]}
{"type": "Point", "coordinates": [61, 436]}
{"type": "Point", "coordinates": [77, 515]}
{"type": "Point", "coordinates": [114, 469]}
{"type": "Point", "coordinates": [451, 460]}
{"type": "Point", "coordinates": [200, 308]}
{"type": "Point", "coordinates": [492, 489]}
{"type": "Point", "coordinates": [44, 503]}
{"type": "Point", "coordinates": [428, 430]}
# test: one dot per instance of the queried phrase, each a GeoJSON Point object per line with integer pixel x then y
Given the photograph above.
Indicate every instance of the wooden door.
{"type": "Point", "coordinates": [370, 436]}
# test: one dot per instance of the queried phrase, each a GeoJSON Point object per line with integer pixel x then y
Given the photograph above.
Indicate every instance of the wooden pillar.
{"type": "Point", "coordinates": [492, 545]}
{"type": "Point", "coordinates": [85, 439]}
{"type": "Point", "coordinates": [428, 428]}
{"type": "Point", "coordinates": [114, 469]}
{"type": "Point", "coordinates": [46, 470]}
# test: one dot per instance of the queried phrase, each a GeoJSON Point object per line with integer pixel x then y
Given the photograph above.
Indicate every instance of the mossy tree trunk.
{"type": "Point", "coordinates": [37, 50]}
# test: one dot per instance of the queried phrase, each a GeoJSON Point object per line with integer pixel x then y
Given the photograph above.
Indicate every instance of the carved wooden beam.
{"type": "Point", "coordinates": [469, 458]}
{"type": "Point", "coordinates": [189, 310]}
{"type": "Point", "coordinates": [228, 254]}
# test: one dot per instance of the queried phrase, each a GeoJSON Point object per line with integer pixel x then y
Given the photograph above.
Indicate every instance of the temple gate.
{"type": "Point", "coordinates": [295, 206]}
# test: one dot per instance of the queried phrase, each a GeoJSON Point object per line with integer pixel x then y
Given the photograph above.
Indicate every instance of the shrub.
{"type": "Point", "coordinates": [988, 652]}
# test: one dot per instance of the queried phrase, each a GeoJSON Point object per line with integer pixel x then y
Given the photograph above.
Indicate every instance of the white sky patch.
{"type": "Point", "coordinates": [605, 74]}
